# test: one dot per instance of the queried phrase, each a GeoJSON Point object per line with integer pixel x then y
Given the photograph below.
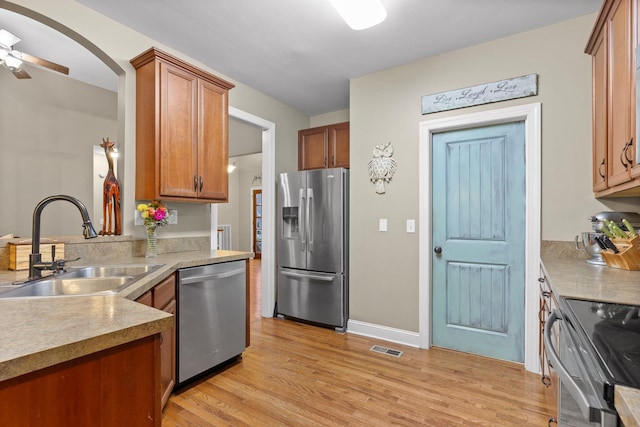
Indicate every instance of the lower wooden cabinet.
{"type": "Point", "coordinates": [163, 297]}
{"type": "Point", "coordinates": [113, 387]}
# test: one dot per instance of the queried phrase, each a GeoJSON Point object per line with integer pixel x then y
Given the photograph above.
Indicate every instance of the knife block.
{"type": "Point", "coordinates": [629, 256]}
{"type": "Point", "coordinates": [19, 253]}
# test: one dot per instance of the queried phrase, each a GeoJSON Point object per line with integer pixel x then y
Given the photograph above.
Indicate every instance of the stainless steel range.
{"type": "Point", "coordinates": [599, 349]}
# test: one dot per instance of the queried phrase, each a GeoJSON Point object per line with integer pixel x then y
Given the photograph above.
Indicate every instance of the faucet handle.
{"type": "Point", "coordinates": [58, 266]}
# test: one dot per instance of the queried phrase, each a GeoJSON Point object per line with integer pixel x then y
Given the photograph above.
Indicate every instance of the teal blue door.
{"type": "Point", "coordinates": [478, 204]}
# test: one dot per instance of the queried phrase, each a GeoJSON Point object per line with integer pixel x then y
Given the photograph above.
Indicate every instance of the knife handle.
{"type": "Point", "coordinates": [606, 231]}
{"type": "Point", "coordinates": [629, 227]}
{"type": "Point", "coordinates": [617, 231]}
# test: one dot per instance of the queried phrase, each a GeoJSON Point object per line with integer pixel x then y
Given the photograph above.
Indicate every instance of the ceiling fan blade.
{"type": "Point", "coordinates": [44, 63]}
{"type": "Point", "coordinates": [8, 39]}
{"type": "Point", "coordinates": [21, 74]}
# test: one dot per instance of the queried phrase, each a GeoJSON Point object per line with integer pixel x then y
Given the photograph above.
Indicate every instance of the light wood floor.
{"type": "Point", "coordinates": [294, 374]}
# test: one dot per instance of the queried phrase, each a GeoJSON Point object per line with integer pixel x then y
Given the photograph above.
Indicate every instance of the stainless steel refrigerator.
{"type": "Point", "coordinates": [313, 246]}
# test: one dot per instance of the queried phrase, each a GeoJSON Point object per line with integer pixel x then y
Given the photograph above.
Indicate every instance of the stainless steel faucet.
{"type": "Point", "coordinates": [35, 258]}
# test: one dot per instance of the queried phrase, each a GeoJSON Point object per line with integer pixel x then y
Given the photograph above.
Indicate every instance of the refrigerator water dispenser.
{"type": "Point", "coordinates": [290, 226]}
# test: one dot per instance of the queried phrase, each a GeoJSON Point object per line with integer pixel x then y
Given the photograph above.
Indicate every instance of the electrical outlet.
{"type": "Point", "coordinates": [173, 216]}
{"type": "Point", "coordinates": [382, 224]}
{"type": "Point", "coordinates": [137, 218]}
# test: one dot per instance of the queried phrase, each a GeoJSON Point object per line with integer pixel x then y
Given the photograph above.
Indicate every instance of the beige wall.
{"type": "Point", "coordinates": [239, 211]}
{"type": "Point", "coordinates": [385, 106]}
{"type": "Point", "coordinates": [329, 118]}
{"type": "Point", "coordinates": [121, 44]}
{"type": "Point", "coordinates": [48, 127]}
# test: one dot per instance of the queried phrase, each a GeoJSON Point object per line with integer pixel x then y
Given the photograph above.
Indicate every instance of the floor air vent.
{"type": "Point", "coordinates": [385, 350]}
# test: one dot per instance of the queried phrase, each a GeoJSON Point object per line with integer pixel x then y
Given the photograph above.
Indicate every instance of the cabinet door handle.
{"type": "Point", "coordinates": [195, 183]}
{"type": "Point", "coordinates": [623, 154]}
{"type": "Point", "coordinates": [602, 165]}
{"type": "Point", "coordinates": [201, 183]}
{"type": "Point", "coordinates": [626, 151]}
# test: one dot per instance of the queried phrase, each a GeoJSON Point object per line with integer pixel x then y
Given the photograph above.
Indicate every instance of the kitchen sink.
{"type": "Point", "coordinates": [83, 280]}
{"type": "Point", "coordinates": [110, 270]}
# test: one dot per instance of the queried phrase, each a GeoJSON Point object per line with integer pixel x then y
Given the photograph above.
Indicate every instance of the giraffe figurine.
{"type": "Point", "coordinates": [111, 195]}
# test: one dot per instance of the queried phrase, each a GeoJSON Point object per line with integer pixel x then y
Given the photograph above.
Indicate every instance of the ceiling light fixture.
{"type": "Point", "coordinates": [360, 14]}
{"type": "Point", "coordinates": [231, 167]}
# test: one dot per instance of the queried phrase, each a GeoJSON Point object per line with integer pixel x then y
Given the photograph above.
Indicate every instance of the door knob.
{"type": "Point", "coordinates": [437, 250]}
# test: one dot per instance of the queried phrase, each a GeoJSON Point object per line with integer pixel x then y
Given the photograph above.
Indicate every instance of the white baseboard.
{"type": "Point", "coordinates": [385, 333]}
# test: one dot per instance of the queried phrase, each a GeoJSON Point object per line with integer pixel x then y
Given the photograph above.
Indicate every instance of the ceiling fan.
{"type": "Point", "coordinates": [13, 59]}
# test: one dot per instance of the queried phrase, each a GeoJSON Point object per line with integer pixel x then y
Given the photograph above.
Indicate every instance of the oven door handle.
{"type": "Point", "coordinates": [565, 377]}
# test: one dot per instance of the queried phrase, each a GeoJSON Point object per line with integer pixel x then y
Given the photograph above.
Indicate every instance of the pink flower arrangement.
{"type": "Point", "coordinates": [154, 214]}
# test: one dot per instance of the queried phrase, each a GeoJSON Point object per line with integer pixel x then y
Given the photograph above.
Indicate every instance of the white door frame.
{"type": "Point", "coordinates": [531, 114]}
{"type": "Point", "coordinates": [268, 263]}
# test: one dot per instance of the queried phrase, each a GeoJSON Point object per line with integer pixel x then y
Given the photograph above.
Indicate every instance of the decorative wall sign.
{"type": "Point", "coordinates": [517, 87]}
{"type": "Point", "coordinates": [382, 166]}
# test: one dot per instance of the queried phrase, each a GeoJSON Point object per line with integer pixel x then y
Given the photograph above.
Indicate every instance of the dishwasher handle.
{"type": "Point", "coordinates": [211, 276]}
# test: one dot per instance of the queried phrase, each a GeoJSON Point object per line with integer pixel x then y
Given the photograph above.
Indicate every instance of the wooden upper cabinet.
{"type": "Point", "coordinates": [339, 145]}
{"type": "Point", "coordinates": [620, 79]}
{"type": "Point", "coordinates": [612, 46]}
{"type": "Point", "coordinates": [181, 130]}
{"type": "Point", "coordinates": [324, 147]}
{"type": "Point", "coordinates": [600, 119]}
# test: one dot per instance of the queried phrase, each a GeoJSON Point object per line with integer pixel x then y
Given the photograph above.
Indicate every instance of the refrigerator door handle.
{"type": "Point", "coordinates": [310, 208]}
{"type": "Point", "coordinates": [302, 216]}
{"type": "Point", "coordinates": [308, 276]}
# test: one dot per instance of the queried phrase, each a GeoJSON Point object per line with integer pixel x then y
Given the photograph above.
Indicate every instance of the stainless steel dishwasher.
{"type": "Point", "coordinates": [211, 317]}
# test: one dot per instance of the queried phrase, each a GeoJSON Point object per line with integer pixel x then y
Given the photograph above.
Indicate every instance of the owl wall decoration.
{"type": "Point", "coordinates": [382, 166]}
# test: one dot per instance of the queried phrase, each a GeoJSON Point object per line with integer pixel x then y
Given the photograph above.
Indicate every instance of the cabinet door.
{"type": "Point", "coordinates": [339, 145]}
{"type": "Point", "coordinates": [620, 78]}
{"type": "Point", "coordinates": [178, 143]}
{"type": "Point", "coordinates": [213, 179]}
{"type": "Point", "coordinates": [168, 357]}
{"type": "Point", "coordinates": [313, 148]}
{"type": "Point", "coordinates": [599, 122]}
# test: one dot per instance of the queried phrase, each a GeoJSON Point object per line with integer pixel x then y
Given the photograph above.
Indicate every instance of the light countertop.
{"type": "Point", "coordinates": [574, 278]}
{"type": "Point", "coordinates": [38, 332]}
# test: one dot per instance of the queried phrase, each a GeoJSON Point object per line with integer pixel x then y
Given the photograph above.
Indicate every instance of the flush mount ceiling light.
{"type": "Point", "coordinates": [231, 167]}
{"type": "Point", "coordinates": [360, 14]}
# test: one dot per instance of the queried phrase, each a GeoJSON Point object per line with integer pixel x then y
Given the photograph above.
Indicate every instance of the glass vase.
{"type": "Point", "coordinates": [151, 250]}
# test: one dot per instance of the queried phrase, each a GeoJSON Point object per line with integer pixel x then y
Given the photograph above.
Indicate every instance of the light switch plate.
{"type": "Point", "coordinates": [382, 224]}
{"type": "Point", "coordinates": [411, 226]}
